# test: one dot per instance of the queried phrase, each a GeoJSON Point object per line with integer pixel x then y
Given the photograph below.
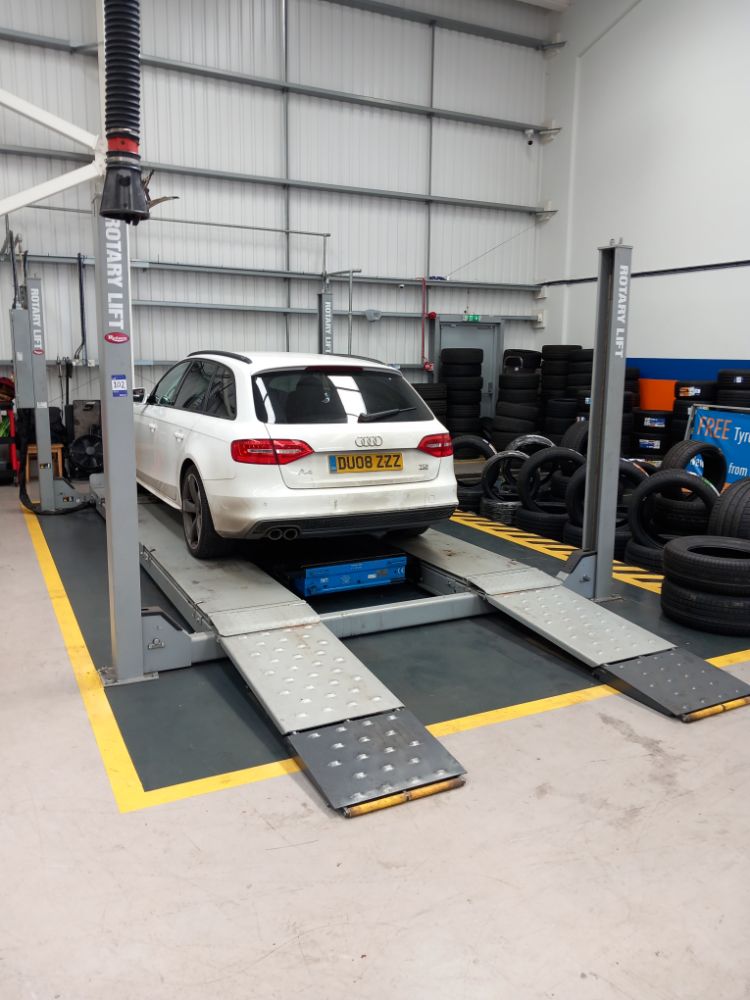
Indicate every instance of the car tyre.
{"type": "Point", "coordinates": [201, 537]}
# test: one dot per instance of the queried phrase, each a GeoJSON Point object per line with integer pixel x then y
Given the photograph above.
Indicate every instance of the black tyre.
{"type": "Point", "coordinates": [462, 355]}
{"type": "Point", "coordinates": [197, 524]}
{"type": "Point", "coordinates": [576, 381]}
{"type": "Point", "coordinates": [522, 358]}
{"type": "Point", "coordinates": [681, 409]}
{"type": "Point", "coordinates": [573, 535]}
{"type": "Point", "coordinates": [723, 613]}
{"type": "Point", "coordinates": [535, 475]}
{"type": "Point", "coordinates": [680, 517]}
{"type": "Point", "coordinates": [706, 563]}
{"type": "Point", "coordinates": [629, 476]}
{"type": "Point", "coordinates": [653, 445]}
{"type": "Point", "coordinates": [732, 397]}
{"type": "Point", "coordinates": [461, 397]}
{"type": "Point", "coordinates": [509, 424]}
{"type": "Point", "coordinates": [523, 380]}
{"type": "Point", "coordinates": [502, 511]}
{"type": "Point", "coordinates": [734, 378]}
{"type": "Point", "coordinates": [550, 367]}
{"type": "Point", "coordinates": [562, 408]}
{"type": "Point", "coordinates": [558, 485]}
{"type": "Point", "coordinates": [530, 444]}
{"type": "Point", "coordinates": [632, 374]}
{"type": "Point", "coordinates": [577, 436]}
{"type": "Point", "coordinates": [731, 512]}
{"type": "Point", "coordinates": [527, 396]}
{"type": "Point", "coordinates": [472, 446]}
{"type": "Point", "coordinates": [501, 439]}
{"type": "Point", "coordinates": [645, 556]}
{"type": "Point", "coordinates": [463, 410]}
{"type": "Point", "coordinates": [711, 463]}
{"type": "Point", "coordinates": [469, 496]}
{"type": "Point", "coordinates": [640, 507]}
{"type": "Point", "coordinates": [459, 371]}
{"type": "Point", "coordinates": [559, 350]}
{"type": "Point", "coordinates": [553, 383]}
{"type": "Point", "coordinates": [549, 523]}
{"type": "Point", "coordinates": [692, 392]}
{"type": "Point", "coordinates": [581, 355]}
{"type": "Point", "coordinates": [516, 411]}
{"type": "Point", "coordinates": [464, 382]}
{"type": "Point", "coordinates": [555, 425]}
{"type": "Point", "coordinates": [499, 474]}
{"type": "Point", "coordinates": [431, 390]}
{"type": "Point", "coordinates": [653, 421]}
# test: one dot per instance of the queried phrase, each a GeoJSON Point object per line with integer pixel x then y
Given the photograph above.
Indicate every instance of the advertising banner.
{"type": "Point", "coordinates": [730, 431]}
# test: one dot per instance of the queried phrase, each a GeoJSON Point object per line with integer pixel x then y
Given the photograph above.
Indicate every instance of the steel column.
{"type": "Point", "coordinates": [591, 574]}
{"type": "Point", "coordinates": [114, 327]}
{"type": "Point", "coordinates": [45, 471]}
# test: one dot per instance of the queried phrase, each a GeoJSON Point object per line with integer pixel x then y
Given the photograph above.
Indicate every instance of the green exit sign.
{"type": "Point", "coordinates": [472, 318]}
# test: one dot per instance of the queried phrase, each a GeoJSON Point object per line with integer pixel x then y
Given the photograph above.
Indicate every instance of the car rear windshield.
{"type": "Point", "coordinates": [335, 396]}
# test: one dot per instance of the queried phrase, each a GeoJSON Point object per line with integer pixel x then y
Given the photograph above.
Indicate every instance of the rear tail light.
{"type": "Point", "coordinates": [269, 451]}
{"type": "Point", "coordinates": [439, 445]}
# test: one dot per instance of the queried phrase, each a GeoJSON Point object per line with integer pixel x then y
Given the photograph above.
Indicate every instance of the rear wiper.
{"type": "Point", "coordinates": [366, 418]}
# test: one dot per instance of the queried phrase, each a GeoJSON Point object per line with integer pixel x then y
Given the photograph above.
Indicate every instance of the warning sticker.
{"type": "Point", "coordinates": [119, 385]}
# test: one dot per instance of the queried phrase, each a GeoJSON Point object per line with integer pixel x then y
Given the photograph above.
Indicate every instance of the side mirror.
{"type": "Point", "coordinates": [139, 395]}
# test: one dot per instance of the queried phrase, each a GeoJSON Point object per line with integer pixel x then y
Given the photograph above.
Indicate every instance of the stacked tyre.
{"type": "Point", "coordinates": [517, 407]}
{"type": "Point", "coordinates": [707, 583]}
{"type": "Point", "coordinates": [687, 395]}
{"type": "Point", "coordinates": [651, 434]}
{"type": "Point", "coordinates": [579, 378]}
{"type": "Point", "coordinates": [559, 415]}
{"type": "Point", "coordinates": [461, 374]}
{"type": "Point", "coordinates": [733, 387]}
{"type": "Point", "coordinates": [435, 394]}
{"type": "Point", "coordinates": [519, 359]}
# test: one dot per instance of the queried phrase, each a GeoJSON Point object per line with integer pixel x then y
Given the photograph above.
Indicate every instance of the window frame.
{"type": "Point", "coordinates": [152, 400]}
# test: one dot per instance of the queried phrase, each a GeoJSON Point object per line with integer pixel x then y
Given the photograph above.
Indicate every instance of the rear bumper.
{"type": "Point", "coordinates": [354, 524]}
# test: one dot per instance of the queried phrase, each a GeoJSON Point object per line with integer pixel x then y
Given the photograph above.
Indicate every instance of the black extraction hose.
{"type": "Point", "coordinates": [123, 196]}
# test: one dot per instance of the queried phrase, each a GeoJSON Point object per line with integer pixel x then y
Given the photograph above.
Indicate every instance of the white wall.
{"type": "Point", "coordinates": [652, 98]}
{"type": "Point", "coordinates": [190, 120]}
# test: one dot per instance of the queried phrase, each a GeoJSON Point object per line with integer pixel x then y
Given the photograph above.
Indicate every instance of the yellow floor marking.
{"type": "Point", "coordinates": [128, 791]}
{"type": "Point", "coordinates": [635, 576]}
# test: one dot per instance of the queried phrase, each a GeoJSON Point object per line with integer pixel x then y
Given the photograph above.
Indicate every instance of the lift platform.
{"type": "Point", "coordinates": [354, 737]}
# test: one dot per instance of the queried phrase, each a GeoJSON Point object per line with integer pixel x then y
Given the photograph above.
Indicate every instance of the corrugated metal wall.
{"type": "Point", "coordinates": [228, 126]}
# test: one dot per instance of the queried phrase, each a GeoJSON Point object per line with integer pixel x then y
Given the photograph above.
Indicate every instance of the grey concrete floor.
{"type": "Point", "coordinates": [598, 851]}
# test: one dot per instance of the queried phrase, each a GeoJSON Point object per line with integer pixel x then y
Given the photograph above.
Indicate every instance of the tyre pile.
{"type": "Point", "coordinates": [687, 394]}
{"type": "Point", "coordinates": [461, 374]}
{"type": "Point", "coordinates": [733, 388]}
{"type": "Point", "coordinates": [517, 407]}
{"type": "Point", "coordinates": [707, 575]}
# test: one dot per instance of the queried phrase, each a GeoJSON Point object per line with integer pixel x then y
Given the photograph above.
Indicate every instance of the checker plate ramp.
{"type": "Point", "coordinates": [354, 762]}
{"type": "Point", "coordinates": [675, 680]}
{"type": "Point", "coordinates": [304, 676]}
{"type": "Point", "coordinates": [589, 632]}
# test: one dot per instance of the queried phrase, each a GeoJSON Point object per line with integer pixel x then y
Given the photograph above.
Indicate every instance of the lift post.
{"type": "Point", "coordinates": [588, 571]}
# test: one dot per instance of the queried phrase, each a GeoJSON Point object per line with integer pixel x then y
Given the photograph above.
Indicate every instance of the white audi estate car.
{"type": "Point", "coordinates": [267, 445]}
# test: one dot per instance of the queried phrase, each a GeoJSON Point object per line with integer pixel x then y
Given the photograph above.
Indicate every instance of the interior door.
{"type": "Point", "coordinates": [488, 337]}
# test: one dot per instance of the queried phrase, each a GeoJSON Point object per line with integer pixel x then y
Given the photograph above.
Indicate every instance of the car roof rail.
{"type": "Point", "coordinates": [223, 354]}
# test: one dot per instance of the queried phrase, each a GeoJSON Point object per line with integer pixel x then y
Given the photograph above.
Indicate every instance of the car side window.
{"type": "Point", "coordinates": [194, 388]}
{"type": "Point", "coordinates": [222, 396]}
{"type": "Point", "coordinates": [166, 389]}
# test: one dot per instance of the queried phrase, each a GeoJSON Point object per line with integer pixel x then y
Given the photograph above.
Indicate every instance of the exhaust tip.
{"type": "Point", "coordinates": [275, 534]}
{"type": "Point", "coordinates": [290, 534]}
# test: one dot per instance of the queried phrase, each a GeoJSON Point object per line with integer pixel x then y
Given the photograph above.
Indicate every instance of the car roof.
{"type": "Point", "coordinates": [289, 359]}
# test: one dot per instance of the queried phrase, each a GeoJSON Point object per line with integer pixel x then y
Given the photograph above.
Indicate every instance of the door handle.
{"type": "Point", "coordinates": [179, 435]}
{"type": "Point", "coordinates": [152, 427]}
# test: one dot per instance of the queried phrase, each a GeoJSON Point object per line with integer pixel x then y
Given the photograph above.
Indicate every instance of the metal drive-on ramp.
{"type": "Point", "coordinates": [353, 736]}
{"type": "Point", "coordinates": [625, 656]}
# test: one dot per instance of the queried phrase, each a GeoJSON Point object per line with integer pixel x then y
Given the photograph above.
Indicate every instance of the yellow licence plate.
{"type": "Point", "coordinates": [385, 461]}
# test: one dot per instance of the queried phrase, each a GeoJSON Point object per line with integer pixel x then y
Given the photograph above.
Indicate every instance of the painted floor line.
{"type": "Point", "coordinates": [127, 788]}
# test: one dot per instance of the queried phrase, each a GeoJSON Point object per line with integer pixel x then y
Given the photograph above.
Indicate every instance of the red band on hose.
{"type": "Point", "coordinates": [122, 145]}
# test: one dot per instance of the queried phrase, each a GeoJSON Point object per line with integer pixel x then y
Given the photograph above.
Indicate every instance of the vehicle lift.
{"type": "Point", "coordinates": [356, 740]}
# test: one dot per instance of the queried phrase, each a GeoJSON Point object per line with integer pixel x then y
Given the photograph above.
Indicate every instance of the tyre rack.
{"type": "Point", "coordinates": [354, 738]}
